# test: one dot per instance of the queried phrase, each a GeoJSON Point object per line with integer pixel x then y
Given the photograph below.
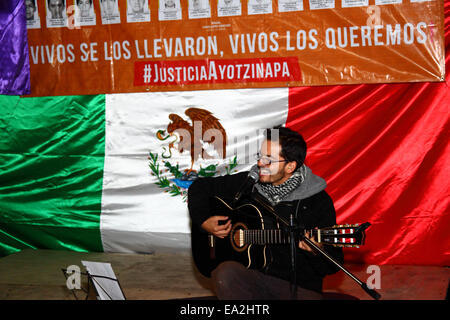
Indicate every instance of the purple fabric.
{"type": "Point", "coordinates": [14, 59]}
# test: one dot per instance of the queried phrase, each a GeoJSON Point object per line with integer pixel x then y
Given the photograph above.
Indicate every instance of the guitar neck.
{"type": "Point", "coordinates": [267, 236]}
{"type": "Point", "coordinates": [341, 236]}
{"type": "Point", "coordinates": [271, 236]}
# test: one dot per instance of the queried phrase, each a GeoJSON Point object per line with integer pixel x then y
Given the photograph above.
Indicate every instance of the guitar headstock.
{"type": "Point", "coordinates": [343, 235]}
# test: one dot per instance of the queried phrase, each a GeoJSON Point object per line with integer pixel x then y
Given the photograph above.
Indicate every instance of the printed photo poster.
{"type": "Point", "coordinates": [169, 10]}
{"type": "Point", "coordinates": [56, 15]}
{"type": "Point", "coordinates": [290, 5]}
{"type": "Point", "coordinates": [84, 13]}
{"type": "Point", "coordinates": [354, 3]}
{"type": "Point", "coordinates": [110, 11]}
{"type": "Point", "coordinates": [138, 11]}
{"type": "Point", "coordinates": [259, 6]}
{"type": "Point", "coordinates": [321, 4]}
{"type": "Point", "coordinates": [227, 8]}
{"type": "Point", "coordinates": [199, 9]}
{"type": "Point", "coordinates": [32, 15]}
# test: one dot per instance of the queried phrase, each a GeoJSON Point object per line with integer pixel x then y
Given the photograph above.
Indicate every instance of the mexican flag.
{"type": "Point", "coordinates": [110, 172]}
{"type": "Point", "coordinates": [105, 173]}
{"type": "Point", "coordinates": [102, 173]}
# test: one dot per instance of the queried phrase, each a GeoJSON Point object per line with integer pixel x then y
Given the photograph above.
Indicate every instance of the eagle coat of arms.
{"type": "Point", "coordinates": [203, 137]}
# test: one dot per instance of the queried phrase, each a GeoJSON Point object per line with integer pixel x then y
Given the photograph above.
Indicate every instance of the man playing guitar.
{"type": "Point", "coordinates": [288, 185]}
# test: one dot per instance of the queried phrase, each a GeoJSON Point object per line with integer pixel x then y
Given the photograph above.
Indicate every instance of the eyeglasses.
{"type": "Point", "coordinates": [265, 160]}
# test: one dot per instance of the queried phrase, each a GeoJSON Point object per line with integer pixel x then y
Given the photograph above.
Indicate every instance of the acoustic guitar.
{"type": "Point", "coordinates": [250, 240]}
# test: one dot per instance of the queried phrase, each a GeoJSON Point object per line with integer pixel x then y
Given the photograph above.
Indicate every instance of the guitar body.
{"type": "Point", "coordinates": [209, 251]}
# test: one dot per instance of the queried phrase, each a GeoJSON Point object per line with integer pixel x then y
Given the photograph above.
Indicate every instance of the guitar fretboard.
{"type": "Point", "coordinates": [270, 236]}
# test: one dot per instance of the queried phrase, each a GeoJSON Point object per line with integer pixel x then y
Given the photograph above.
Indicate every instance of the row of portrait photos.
{"type": "Point", "coordinates": [58, 11]}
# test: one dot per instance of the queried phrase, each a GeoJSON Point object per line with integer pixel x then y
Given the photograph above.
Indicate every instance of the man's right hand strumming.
{"type": "Point", "coordinates": [212, 225]}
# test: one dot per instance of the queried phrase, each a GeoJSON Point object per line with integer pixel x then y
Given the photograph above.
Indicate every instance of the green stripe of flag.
{"type": "Point", "coordinates": [51, 172]}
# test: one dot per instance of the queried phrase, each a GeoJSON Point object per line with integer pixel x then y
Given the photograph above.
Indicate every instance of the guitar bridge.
{"type": "Point", "coordinates": [211, 241]}
{"type": "Point", "coordinates": [212, 245]}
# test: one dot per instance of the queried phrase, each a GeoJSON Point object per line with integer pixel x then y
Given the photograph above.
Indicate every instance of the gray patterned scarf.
{"type": "Point", "coordinates": [278, 193]}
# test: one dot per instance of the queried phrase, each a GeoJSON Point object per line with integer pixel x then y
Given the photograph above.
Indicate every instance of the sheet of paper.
{"type": "Point", "coordinates": [290, 5]}
{"type": "Point", "coordinates": [321, 4]}
{"type": "Point", "coordinates": [354, 3]}
{"type": "Point", "coordinates": [107, 289]}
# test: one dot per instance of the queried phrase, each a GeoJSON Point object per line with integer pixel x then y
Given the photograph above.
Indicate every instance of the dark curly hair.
{"type": "Point", "coordinates": [293, 146]}
{"type": "Point", "coordinates": [64, 2]}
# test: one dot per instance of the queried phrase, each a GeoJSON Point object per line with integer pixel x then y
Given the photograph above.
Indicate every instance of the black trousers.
{"type": "Point", "coordinates": [233, 281]}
